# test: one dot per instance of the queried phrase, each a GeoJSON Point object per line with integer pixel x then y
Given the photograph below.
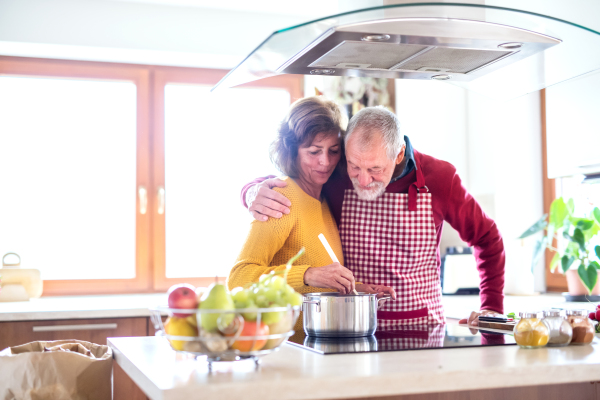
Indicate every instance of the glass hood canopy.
{"type": "Point", "coordinates": [497, 51]}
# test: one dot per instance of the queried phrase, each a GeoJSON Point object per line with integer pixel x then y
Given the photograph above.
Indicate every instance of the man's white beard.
{"type": "Point", "coordinates": [376, 189]}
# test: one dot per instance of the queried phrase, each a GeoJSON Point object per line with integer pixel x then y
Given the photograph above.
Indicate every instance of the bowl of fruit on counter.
{"type": "Point", "coordinates": [246, 322]}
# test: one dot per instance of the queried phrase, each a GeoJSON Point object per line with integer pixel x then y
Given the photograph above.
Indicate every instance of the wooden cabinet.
{"type": "Point", "coordinates": [151, 328]}
{"type": "Point", "coordinates": [90, 330]}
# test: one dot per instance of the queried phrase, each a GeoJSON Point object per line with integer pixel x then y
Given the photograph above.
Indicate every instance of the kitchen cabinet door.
{"type": "Point", "coordinates": [90, 330]}
{"type": "Point", "coordinates": [573, 126]}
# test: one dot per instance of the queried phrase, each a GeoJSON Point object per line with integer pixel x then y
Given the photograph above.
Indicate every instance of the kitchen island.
{"type": "Point", "coordinates": [498, 372]}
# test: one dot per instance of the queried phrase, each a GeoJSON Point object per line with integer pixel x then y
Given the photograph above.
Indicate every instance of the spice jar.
{"type": "Point", "coordinates": [531, 331]}
{"type": "Point", "coordinates": [583, 330]}
{"type": "Point", "coordinates": [560, 329]}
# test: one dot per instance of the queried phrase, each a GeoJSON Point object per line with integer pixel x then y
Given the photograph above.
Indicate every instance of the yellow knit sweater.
{"type": "Point", "coordinates": [269, 245]}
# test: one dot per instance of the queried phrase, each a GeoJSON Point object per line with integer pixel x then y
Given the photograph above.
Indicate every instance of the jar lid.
{"type": "Point", "coordinates": [582, 313]}
{"type": "Point", "coordinates": [554, 313]}
{"type": "Point", "coordinates": [531, 314]}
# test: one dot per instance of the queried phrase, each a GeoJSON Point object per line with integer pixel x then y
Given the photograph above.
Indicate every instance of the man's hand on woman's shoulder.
{"type": "Point", "coordinates": [264, 202]}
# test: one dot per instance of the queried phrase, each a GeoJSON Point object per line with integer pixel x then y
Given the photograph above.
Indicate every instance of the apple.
{"type": "Point", "coordinates": [597, 314]}
{"type": "Point", "coordinates": [182, 296]}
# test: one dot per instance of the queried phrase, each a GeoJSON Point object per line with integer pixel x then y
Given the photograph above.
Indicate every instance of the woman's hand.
{"type": "Point", "coordinates": [332, 276]}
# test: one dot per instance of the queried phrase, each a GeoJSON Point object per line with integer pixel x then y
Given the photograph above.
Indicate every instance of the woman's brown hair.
{"type": "Point", "coordinates": [305, 119]}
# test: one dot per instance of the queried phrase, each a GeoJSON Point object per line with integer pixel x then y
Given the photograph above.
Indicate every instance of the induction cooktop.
{"type": "Point", "coordinates": [406, 338]}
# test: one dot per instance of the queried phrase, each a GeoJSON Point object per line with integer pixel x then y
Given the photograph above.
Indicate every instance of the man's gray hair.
{"type": "Point", "coordinates": [374, 121]}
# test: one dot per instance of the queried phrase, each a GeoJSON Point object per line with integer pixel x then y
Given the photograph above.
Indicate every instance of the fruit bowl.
{"type": "Point", "coordinates": [226, 335]}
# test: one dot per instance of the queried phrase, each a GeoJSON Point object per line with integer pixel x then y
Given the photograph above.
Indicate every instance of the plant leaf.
{"type": "Point", "coordinates": [597, 250]}
{"type": "Point", "coordinates": [540, 225]}
{"type": "Point", "coordinates": [596, 214]}
{"type": "Point", "coordinates": [570, 206]}
{"type": "Point", "coordinates": [579, 239]}
{"type": "Point", "coordinates": [558, 213]}
{"type": "Point", "coordinates": [572, 249]}
{"type": "Point", "coordinates": [537, 252]}
{"type": "Point", "coordinates": [554, 262]}
{"type": "Point", "coordinates": [565, 263]}
{"type": "Point", "coordinates": [590, 233]}
{"type": "Point", "coordinates": [589, 276]}
{"type": "Point", "coordinates": [584, 224]}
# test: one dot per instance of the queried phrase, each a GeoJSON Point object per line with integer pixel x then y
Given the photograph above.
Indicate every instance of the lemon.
{"type": "Point", "coordinates": [179, 327]}
{"type": "Point", "coordinates": [192, 320]}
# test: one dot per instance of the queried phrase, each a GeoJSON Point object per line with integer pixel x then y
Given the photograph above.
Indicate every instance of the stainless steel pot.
{"type": "Point", "coordinates": [340, 315]}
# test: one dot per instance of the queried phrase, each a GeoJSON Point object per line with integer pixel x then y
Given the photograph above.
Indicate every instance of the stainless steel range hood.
{"type": "Point", "coordinates": [412, 48]}
{"type": "Point", "coordinates": [498, 51]}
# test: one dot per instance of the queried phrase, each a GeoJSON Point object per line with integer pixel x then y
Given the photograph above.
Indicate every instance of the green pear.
{"type": "Point", "coordinates": [216, 298]}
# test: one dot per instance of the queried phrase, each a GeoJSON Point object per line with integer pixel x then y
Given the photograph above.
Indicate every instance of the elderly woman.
{"type": "Point", "coordinates": [307, 150]}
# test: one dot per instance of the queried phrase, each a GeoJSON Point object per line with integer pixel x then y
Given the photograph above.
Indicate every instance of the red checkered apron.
{"type": "Point", "coordinates": [412, 337]}
{"type": "Point", "coordinates": [392, 241]}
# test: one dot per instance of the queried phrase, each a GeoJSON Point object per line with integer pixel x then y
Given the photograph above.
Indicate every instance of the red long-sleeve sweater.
{"type": "Point", "coordinates": [452, 203]}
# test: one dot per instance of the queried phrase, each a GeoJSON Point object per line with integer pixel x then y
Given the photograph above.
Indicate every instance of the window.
{"type": "Point", "coordinates": [123, 178]}
{"type": "Point", "coordinates": [214, 144]}
{"type": "Point", "coordinates": [586, 196]}
{"type": "Point", "coordinates": [67, 169]}
{"type": "Point", "coordinates": [206, 146]}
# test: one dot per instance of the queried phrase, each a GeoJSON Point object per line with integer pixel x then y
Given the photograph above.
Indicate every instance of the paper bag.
{"type": "Point", "coordinates": [56, 370]}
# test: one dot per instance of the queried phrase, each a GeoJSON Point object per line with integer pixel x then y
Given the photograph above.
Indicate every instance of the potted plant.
{"type": "Point", "coordinates": [574, 253]}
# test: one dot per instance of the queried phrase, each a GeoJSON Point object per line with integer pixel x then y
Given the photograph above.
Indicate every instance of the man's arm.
{"type": "Point", "coordinates": [249, 186]}
{"type": "Point", "coordinates": [465, 215]}
{"type": "Point", "coordinates": [262, 201]}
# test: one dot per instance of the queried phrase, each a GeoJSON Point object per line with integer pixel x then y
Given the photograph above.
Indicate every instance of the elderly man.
{"type": "Point", "coordinates": [390, 206]}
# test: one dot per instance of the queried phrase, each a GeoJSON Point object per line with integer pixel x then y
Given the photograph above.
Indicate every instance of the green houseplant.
{"type": "Point", "coordinates": [574, 237]}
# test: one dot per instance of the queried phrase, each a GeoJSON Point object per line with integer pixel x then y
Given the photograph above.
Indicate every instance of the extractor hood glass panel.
{"type": "Point", "coordinates": [577, 54]}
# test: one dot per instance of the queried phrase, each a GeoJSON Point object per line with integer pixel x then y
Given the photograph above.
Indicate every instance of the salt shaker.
{"type": "Point", "coordinates": [561, 331]}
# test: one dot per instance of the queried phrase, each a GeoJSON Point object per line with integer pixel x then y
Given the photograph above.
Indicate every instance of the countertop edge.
{"type": "Point", "coordinates": [449, 372]}
{"type": "Point", "coordinates": [142, 382]}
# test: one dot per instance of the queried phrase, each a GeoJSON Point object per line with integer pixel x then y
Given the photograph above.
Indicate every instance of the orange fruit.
{"type": "Point", "coordinates": [251, 329]}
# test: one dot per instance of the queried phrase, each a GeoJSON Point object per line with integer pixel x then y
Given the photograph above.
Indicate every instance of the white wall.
{"type": "Point", "coordinates": [433, 110]}
{"type": "Point", "coordinates": [496, 148]}
{"type": "Point", "coordinates": [134, 32]}
{"type": "Point", "coordinates": [506, 161]}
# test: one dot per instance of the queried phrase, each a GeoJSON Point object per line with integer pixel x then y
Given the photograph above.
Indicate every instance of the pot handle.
{"type": "Point", "coordinates": [317, 302]}
{"type": "Point", "coordinates": [384, 297]}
